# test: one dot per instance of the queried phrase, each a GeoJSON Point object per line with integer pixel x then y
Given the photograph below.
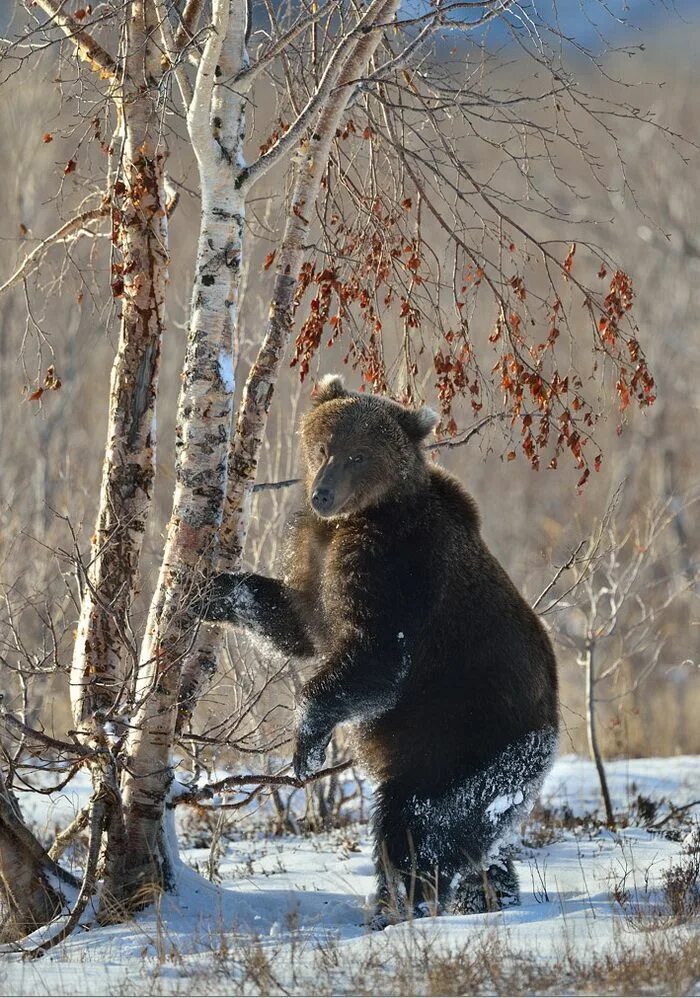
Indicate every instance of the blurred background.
{"type": "Point", "coordinates": [648, 696]}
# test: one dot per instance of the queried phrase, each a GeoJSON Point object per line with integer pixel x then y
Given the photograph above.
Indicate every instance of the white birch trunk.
{"type": "Point", "coordinates": [27, 874]}
{"type": "Point", "coordinates": [216, 125]}
{"type": "Point", "coordinates": [260, 385]}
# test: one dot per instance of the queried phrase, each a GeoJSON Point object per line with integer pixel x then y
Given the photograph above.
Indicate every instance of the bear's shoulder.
{"type": "Point", "coordinates": [451, 499]}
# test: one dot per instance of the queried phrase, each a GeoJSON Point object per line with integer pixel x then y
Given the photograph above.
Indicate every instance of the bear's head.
{"type": "Point", "coordinates": [361, 450]}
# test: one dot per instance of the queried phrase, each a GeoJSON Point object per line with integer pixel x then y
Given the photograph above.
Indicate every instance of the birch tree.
{"type": "Point", "coordinates": [259, 388]}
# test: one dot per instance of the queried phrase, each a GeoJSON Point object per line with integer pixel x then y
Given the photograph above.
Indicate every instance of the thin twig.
{"type": "Point", "coordinates": [39, 736]}
{"type": "Point", "coordinates": [33, 259]}
{"type": "Point", "coordinates": [673, 813]}
{"type": "Point", "coordinates": [559, 572]}
{"type": "Point", "coordinates": [89, 49]}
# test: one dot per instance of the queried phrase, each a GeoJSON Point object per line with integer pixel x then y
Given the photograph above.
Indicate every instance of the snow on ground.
{"type": "Point", "coordinates": [299, 905]}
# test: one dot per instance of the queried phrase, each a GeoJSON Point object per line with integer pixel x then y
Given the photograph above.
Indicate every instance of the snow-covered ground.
{"type": "Point", "coordinates": [290, 914]}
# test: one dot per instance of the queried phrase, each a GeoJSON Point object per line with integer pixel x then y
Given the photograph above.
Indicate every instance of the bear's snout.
{"type": "Point", "coordinates": [322, 499]}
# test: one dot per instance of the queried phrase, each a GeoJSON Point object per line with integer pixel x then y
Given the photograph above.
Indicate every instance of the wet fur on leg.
{"type": "Point", "coordinates": [446, 849]}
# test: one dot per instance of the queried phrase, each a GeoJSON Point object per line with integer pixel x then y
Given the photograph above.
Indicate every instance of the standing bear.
{"type": "Point", "coordinates": [424, 645]}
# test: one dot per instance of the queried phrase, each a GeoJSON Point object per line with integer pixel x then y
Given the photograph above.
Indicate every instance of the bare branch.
{"type": "Point", "coordinates": [91, 51]}
{"type": "Point", "coordinates": [188, 26]}
{"type": "Point", "coordinates": [33, 259]}
{"type": "Point", "coordinates": [343, 53]}
{"type": "Point", "coordinates": [569, 563]}
{"type": "Point", "coordinates": [247, 76]}
{"type": "Point", "coordinates": [39, 736]}
{"type": "Point", "coordinates": [230, 783]}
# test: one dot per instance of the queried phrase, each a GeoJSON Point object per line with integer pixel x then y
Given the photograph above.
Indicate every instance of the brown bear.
{"type": "Point", "coordinates": [424, 645]}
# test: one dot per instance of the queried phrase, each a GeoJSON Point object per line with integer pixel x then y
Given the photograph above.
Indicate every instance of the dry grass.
{"type": "Point", "coordinates": [676, 902]}
{"type": "Point", "coordinates": [653, 963]}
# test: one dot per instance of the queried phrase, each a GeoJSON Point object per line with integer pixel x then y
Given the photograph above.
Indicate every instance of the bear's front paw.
{"type": "Point", "coordinates": [222, 598]}
{"type": "Point", "coordinates": [309, 754]}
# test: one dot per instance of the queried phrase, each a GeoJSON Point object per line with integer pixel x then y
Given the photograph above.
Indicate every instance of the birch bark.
{"type": "Point", "coordinates": [140, 236]}
{"type": "Point", "coordinates": [260, 385]}
{"type": "Point", "coordinates": [216, 127]}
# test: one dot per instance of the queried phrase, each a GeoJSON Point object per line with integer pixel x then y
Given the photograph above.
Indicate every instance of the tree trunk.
{"type": "Point", "coordinates": [216, 125]}
{"type": "Point", "coordinates": [260, 384]}
{"type": "Point", "coordinates": [28, 899]}
{"type": "Point", "coordinates": [140, 236]}
{"type": "Point", "coordinates": [591, 722]}
{"type": "Point", "coordinates": [98, 683]}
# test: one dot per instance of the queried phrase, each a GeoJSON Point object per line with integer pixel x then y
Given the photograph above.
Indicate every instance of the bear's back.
{"type": "Point", "coordinates": [482, 669]}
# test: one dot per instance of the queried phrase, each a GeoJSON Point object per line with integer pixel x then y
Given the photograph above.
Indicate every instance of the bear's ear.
{"type": "Point", "coordinates": [419, 423]}
{"type": "Point", "coordinates": [329, 387]}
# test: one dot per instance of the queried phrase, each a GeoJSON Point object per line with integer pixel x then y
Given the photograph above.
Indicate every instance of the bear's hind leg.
{"type": "Point", "coordinates": [389, 899]}
{"type": "Point", "coordinates": [429, 891]}
{"type": "Point", "coordinates": [479, 889]}
{"type": "Point", "coordinates": [503, 881]}
{"type": "Point", "coordinates": [414, 868]}
{"type": "Point", "coordinates": [492, 804]}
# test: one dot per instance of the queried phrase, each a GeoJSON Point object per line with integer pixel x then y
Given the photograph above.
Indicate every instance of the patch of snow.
{"type": "Point", "coordinates": [290, 896]}
{"type": "Point", "coordinates": [502, 804]}
{"type": "Point", "coordinates": [226, 371]}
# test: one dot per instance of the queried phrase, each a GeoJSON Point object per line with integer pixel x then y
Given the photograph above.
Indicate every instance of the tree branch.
{"type": "Point", "coordinates": [344, 52]}
{"type": "Point", "coordinates": [91, 51]}
{"type": "Point", "coordinates": [33, 259]}
{"type": "Point", "coordinates": [198, 123]}
{"type": "Point", "coordinates": [230, 783]}
{"type": "Point", "coordinates": [188, 25]}
{"type": "Point", "coordinates": [39, 736]}
{"type": "Point", "coordinates": [172, 54]}
{"type": "Point", "coordinates": [569, 563]}
{"type": "Point", "coordinates": [246, 76]}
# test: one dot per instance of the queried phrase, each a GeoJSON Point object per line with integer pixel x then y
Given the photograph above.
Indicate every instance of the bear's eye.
{"type": "Point", "coordinates": [322, 450]}
{"type": "Point", "coordinates": [356, 458]}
